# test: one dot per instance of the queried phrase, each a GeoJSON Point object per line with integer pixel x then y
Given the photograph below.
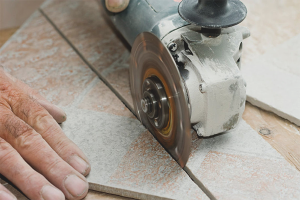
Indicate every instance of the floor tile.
{"type": "Point", "coordinates": [241, 165]}
{"type": "Point", "coordinates": [39, 56]}
{"type": "Point", "coordinates": [126, 160]}
{"type": "Point", "coordinates": [83, 24]}
{"type": "Point", "coordinates": [100, 98]}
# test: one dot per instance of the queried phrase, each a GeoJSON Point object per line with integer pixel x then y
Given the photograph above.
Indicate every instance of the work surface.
{"type": "Point", "coordinates": [63, 48]}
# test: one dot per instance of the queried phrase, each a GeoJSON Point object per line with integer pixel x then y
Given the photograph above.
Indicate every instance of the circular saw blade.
{"type": "Point", "coordinates": [149, 57]}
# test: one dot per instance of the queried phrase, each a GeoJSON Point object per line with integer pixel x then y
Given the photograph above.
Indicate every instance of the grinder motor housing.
{"type": "Point", "coordinates": [215, 89]}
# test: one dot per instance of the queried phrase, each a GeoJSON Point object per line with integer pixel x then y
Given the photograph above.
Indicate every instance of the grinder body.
{"type": "Point", "coordinates": [155, 16]}
{"type": "Point", "coordinates": [182, 75]}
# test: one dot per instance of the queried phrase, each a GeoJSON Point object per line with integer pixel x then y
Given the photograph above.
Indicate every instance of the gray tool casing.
{"type": "Point", "coordinates": [209, 67]}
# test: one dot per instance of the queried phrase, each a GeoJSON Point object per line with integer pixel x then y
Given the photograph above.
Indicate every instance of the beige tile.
{"type": "Point", "coordinates": [38, 55]}
{"type": "Point", "coordinates": [240, 164]}
{"type": "Point", "coordinates": [85, 27]}
{"type": "Point", "coordinates": [102, 99]}
{"type": "Point", "coordinates": [232, 176]}
{"type": "Point", "coordinates": [126, 160]}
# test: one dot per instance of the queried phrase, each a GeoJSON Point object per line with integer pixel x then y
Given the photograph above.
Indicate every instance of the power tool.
{"type": "Point", "coordinates": [185, 67]}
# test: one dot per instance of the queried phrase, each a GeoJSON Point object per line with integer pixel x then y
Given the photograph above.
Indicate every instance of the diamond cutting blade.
{"type": "Point", "coordinates": [158, 96]}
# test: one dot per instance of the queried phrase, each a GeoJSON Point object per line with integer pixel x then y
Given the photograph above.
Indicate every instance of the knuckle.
{"type": "Point", "coordinates": [44, 123]}
{"type": "Point", "coordinates": [15, 126]}
{"type": "Point", "coordinates": [30, 141]}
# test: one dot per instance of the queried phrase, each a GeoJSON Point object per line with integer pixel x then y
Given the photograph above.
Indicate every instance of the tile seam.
{"type": "Point", "coordinates": [185, 169]}
{"type": "Point", "coordinates": [88, 88]}
{"type": "Point", "coordinates": [87, 62]}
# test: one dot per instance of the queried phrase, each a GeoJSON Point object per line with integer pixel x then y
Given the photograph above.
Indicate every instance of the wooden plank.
{"type": "Point", "coordinates": [6, 34]}
{"type": "Point", "coordinates": [93, 195]}
{"type": "Point", "coordinates": [283, 135]}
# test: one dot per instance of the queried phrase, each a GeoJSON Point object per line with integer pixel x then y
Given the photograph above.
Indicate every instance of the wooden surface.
{"type": "Point", "coordinates": [6, 34]}
{"type": "Point", "coordinates": [283, 135]}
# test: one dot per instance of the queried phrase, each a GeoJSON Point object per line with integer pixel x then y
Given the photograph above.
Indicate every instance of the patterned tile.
{"type": "Point", "coordinates": [233, 176]}
{"type": "Point", "coordinates": [41, 58]}
{"type": "Point", "coordinates": [83, 24]}
{"type": "Point", "coordinates": [126, 159]}
{"type": "Point", "coordinates": [100, 98]}
{"type": "Point", "coordinates": [240, 164]}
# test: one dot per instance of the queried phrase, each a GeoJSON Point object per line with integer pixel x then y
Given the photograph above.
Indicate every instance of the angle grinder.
{"type": "Point", "coordinates": [185, 67]}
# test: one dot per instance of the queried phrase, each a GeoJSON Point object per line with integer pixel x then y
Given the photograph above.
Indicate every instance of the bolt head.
{"type": "Point", "coordinates": [172, 46]}
{"type": "Point", "coordinates": [144, 105]}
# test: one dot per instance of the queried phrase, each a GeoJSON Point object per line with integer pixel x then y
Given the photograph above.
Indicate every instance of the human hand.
{"type": "Point", "coordinates": [116, 5]}
{"type": "Point", "coordinates": [35, 154]}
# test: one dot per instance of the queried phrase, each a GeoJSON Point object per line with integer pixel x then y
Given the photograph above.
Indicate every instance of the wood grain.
{"type": "Point", "coordinates": [92, 195]}
{"type": "Point", "coordinates": [281, 134]}
{"type": "Point", "coordinates": [6, 34]}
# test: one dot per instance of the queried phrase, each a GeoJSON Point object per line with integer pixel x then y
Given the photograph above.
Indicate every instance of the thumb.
{"type": "Point", "coordinates": [116, 5]}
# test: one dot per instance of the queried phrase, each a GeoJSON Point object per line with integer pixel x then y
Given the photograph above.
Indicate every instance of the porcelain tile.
{"type": "Point", "coordinates": [126, 160]}
{"type": "Point", "coordinates": [241, 165]}
{"type": "Point", "coordinates": [100, 98]}
{"type": "Point", "coordinates": [39, 56]}
{"type": "Point", "coordinates": [83, 24]}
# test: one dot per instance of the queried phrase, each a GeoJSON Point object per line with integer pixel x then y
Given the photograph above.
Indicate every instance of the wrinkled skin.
{"type": "Point", "coordinates": [35, 154]}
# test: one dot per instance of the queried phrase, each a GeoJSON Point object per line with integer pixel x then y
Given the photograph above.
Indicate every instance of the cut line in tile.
{"type": "Point", "coordinates": [195, 180]}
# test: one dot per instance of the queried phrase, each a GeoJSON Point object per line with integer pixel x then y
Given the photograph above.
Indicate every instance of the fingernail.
{"type": "Point", "coordinates": [76, 186]}
{"type": "Point", "coordinates": [79, 164]}
{"type": "Point", "coordinates": [6, 196]}
{"type": "Point", "coordinates": [114, 3]}
{"type": "Point", "coordinates": [56, 112]}
{"type": "Point", "coordinates": [51, 193]}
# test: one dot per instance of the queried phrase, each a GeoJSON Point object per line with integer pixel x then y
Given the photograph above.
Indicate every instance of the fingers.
{"type": "Point", "coordinates": [57, 113]}
{"type": "Point", "coordinates": [36, 152]}
{"type": "Point", "coordinates": [116, 5]}
{"type": "Point", "coordinates": [5, 194]}
{"type": "Point", "coordinates": [33, 185]}
{"type": "Point", "coordinates": [37, 117]}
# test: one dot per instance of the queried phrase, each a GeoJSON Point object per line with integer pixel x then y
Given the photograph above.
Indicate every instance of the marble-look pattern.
{"type": "Point", "coordinates": [216, 161]}
{"type": "Point", "coordinates": [39, 56]}
{"type": "Point", "coordinates": [241, 165]}
{"type": "Point", "coordinates": [84, 25]}
{"type": "Point", "coordinates": [115, 142]}
{"type": "Point", "coordinates": [126, 159]}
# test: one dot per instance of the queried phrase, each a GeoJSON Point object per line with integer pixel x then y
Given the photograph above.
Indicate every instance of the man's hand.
{"type": "Point", "coordinates": [35, 155]}
{"type": "Point", "coordinates": [116, 5]}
